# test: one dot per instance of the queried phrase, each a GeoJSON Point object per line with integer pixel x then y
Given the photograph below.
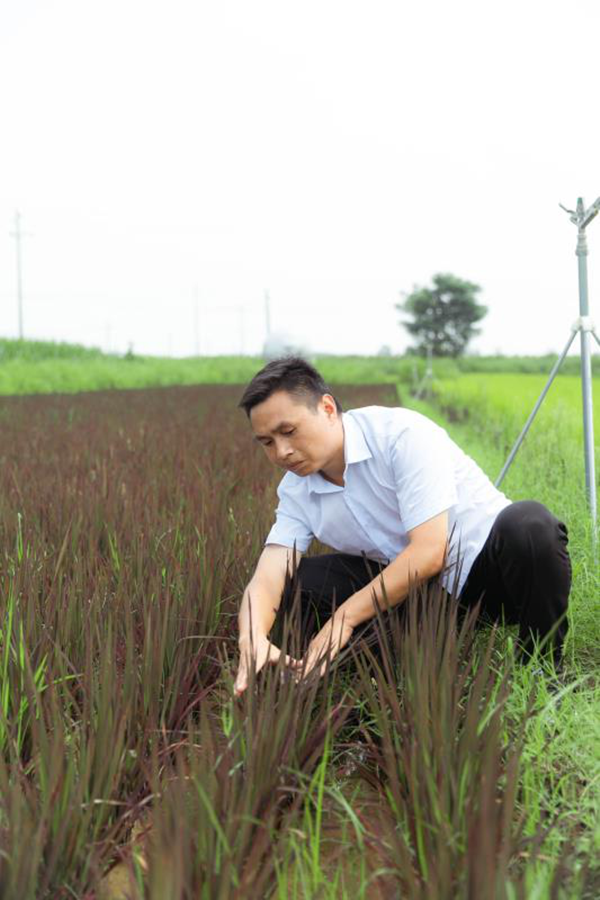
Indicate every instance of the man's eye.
{"type": "Point", "coordinates": [289, 432]}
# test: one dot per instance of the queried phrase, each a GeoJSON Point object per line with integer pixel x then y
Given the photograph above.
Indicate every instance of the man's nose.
{"type": "Point", "coordinates": [284, 451]}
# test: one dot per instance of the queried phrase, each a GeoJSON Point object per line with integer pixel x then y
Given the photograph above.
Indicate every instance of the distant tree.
{"type": "Point", "coordinates": [443, 317]}
{"type": "Point", "coordinates": [384, 350]}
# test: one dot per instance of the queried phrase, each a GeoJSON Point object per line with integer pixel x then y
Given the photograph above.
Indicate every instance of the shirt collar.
{"type": "Point", "coordinates": [355, 450]}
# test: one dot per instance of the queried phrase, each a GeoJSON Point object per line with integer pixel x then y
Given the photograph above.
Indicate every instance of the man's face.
{"type": "Point", "coordinates": [296, 437]}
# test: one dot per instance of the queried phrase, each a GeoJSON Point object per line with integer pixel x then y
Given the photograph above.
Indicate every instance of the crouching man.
{"type": "Point", "coordinates": [399, 500]}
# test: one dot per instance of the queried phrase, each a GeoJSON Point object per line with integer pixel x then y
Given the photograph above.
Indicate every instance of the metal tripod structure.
{"type": "Point", "coordinates": [581, 217]}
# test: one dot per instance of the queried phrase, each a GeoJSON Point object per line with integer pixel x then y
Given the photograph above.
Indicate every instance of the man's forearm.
{"type": "Point", "coordinates": [256, 600]}
{"type": "Point", "coordinates": [411, 566]}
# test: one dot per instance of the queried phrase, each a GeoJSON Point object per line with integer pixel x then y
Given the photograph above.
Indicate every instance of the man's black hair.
{"type": "Point", "coordinates": [287, 373]}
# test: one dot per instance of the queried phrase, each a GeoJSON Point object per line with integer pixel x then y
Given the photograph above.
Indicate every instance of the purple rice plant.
{"type": "Point", "coordinates": [450, 823]}
{"type": "Point", "coordinates": [128, 523]}
{"type": "Point", "coordinates": [235, 787]}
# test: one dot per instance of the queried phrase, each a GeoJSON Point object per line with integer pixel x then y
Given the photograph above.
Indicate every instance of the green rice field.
{"type": "Point", "coordinates": [44, 367]}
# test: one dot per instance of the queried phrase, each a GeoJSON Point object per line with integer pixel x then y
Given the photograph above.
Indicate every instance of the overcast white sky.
{"type": "Point", "coordinates": [334, 153]}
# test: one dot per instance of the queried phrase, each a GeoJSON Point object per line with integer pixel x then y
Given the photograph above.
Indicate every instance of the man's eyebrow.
{"type": "Point", "coordinates": [284, 424]}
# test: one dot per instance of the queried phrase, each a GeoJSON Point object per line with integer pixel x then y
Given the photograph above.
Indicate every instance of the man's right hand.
{"type": "Point", "coordinates": [264, 651]}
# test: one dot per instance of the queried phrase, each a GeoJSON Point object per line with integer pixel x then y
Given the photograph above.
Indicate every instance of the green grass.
{"type": "Point", "coordinates": [36, 351]}
{"type": "Point", "coordinates": [561, 774]}
{"type": "Point", "coordinates": [42, 367]}
{"type": "Point", "coordinates": [509, 398]}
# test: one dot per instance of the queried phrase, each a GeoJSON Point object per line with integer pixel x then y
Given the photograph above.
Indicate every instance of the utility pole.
{"type": "Point", "coordinates": [242, 329]}
{"type": "Point", "coordinates": [18, 235]}
{"type": "Point", "coordinates": [267, 313]}
{"type": "Point", "coordinates": [196, 321]}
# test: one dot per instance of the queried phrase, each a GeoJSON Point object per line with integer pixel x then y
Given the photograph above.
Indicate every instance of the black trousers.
{"type": "Point", "coordinates": [522, 576]}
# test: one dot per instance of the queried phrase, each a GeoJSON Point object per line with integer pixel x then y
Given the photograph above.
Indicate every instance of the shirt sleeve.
{"type": "Point", "coordinates": [291, 523]}
{"type": "Point", "coordinates": [423, 471]}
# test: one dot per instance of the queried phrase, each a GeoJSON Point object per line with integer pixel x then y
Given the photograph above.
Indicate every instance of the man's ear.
{"type": "Point", "coordinates": [329, 404]}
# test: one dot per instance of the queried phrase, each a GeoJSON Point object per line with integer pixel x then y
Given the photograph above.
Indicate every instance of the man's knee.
{"type": "Point", "coordinates": [529, 526]}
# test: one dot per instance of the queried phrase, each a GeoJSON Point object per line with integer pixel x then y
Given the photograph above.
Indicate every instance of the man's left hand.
{"type": "Point", "coordinates": [335, 633]}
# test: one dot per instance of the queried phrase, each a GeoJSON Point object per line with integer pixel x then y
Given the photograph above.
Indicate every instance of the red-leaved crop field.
{"type": "Point", "coordinates": [130, 523]}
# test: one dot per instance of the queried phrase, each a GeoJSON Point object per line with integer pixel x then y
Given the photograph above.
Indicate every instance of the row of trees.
{"type": "Point", "coordinates": [442, 318]}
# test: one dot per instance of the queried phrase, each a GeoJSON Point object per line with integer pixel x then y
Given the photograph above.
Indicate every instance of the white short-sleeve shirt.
{"type": "Point", "coordinates": [401, 470]}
